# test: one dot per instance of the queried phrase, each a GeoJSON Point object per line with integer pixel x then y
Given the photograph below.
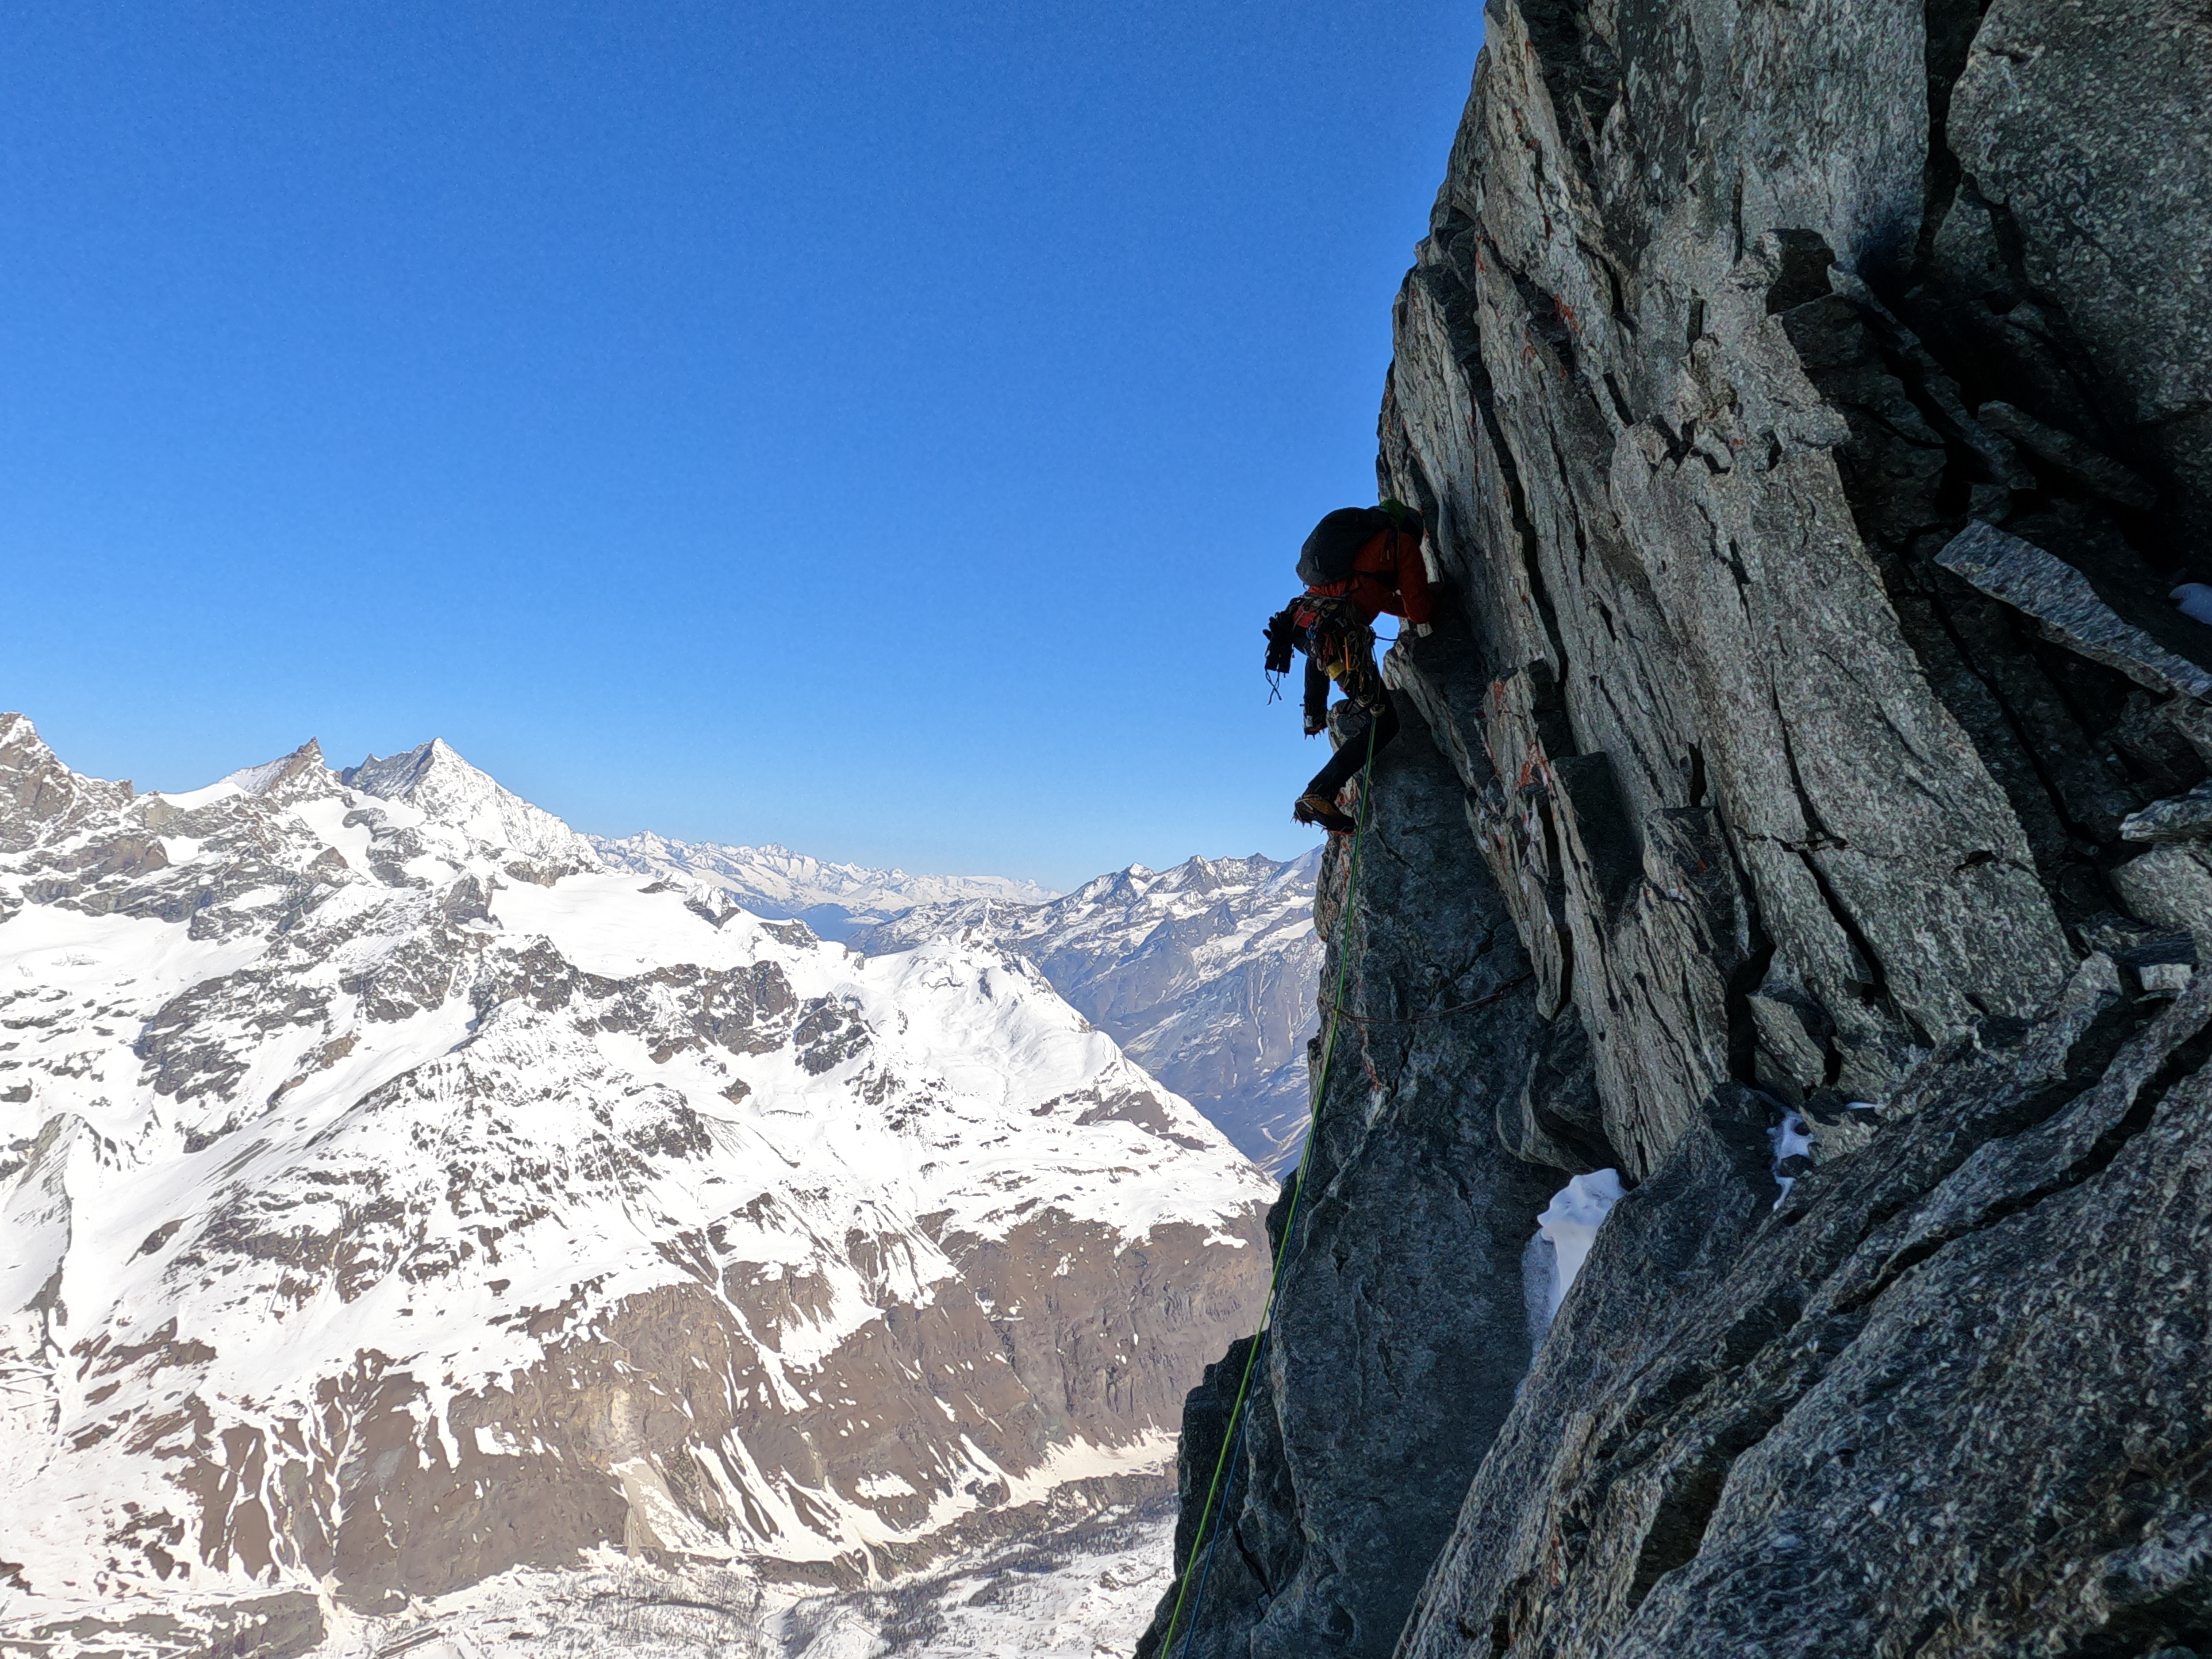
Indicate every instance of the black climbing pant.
{"type": "Point", "coordinates": [1340, 646]}
{"type": "Point", "coordinates": [1344, 764]}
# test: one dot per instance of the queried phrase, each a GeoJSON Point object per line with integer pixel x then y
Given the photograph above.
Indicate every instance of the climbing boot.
{"type": "Point", "coordinates": [1319, 809]}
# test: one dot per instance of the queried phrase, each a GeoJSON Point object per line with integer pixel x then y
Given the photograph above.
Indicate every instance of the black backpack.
{"type": "Point", "coordinates": [1336, 540]}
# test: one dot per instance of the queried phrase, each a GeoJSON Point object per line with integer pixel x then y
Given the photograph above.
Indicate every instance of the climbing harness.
{"type": "Point", "coordinates": [1341, 641]}
{"type": "Point", "coordinates": [1232, 1438]}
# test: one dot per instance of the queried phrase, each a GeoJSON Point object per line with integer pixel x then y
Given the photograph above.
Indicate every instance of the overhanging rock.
{"type": "Point", "coordinates": [2066, 605]}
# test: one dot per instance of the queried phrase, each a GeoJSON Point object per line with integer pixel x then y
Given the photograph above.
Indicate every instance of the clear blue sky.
{"type": "Point", "coordinates": [880, 429]}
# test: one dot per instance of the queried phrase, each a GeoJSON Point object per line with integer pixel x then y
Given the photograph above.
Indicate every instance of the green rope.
{"type": "Point", "coordinates": [1231, 1429]}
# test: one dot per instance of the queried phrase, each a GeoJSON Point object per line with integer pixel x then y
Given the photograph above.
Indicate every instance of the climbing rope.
{"type": "Point", "coordinates": [1232, 1438]}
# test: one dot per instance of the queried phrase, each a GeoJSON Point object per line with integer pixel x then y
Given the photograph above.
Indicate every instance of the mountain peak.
{"type": "Point", "coordinates": [40, 798]}
{"type": "Point", "coordinates": [433, 779]}
{"type": "Point", "coordinates": [16, 731]}
{"type": "Point", "coordinates": [396, 777]}
{"type": "Point", "coordinates": [266, 777]}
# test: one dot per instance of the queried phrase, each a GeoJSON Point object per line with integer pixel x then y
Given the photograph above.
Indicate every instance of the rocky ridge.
{"type": "Point", "coordinates": [391, 1195]}
{"type": "Point", "coordinates": [1801, 814]}
{"type": "Point", "coordinates": [1205, 974]}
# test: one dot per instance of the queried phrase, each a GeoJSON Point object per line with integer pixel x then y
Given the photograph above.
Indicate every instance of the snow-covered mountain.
{"type": "Point", "coordinates": [1206, 974]}
{"type": "Point", "coordinates": [835, 900]}
{"type": "Point", "coordinates": [391, 1194]}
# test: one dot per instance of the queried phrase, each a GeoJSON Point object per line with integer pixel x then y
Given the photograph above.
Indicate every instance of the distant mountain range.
{"type": "Point", "coordinates": [392, 1193]}
{"type": "Point", "coordinates": [835, 899]}
{"type": "Point", "coordinates": [1206, 974]}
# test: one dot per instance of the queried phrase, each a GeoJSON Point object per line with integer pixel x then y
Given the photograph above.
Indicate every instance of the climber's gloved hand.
{"type": "Point", "coordinates": [1316, 725]}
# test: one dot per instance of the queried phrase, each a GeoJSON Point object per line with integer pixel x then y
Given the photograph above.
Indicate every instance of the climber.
{"type": "Point", "coordinates": [1359, 562]}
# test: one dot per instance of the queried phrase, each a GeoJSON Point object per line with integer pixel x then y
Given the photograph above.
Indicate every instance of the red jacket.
{"type": "Point", "coordinates": [1387, 574]}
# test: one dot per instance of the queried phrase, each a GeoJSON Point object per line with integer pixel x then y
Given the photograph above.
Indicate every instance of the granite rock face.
{"type": "Point", "coordinates": [1806, 407]}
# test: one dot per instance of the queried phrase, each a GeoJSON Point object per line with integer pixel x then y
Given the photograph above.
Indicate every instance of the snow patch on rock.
{"type": "Point", "coordinates": [1570, 1223]}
